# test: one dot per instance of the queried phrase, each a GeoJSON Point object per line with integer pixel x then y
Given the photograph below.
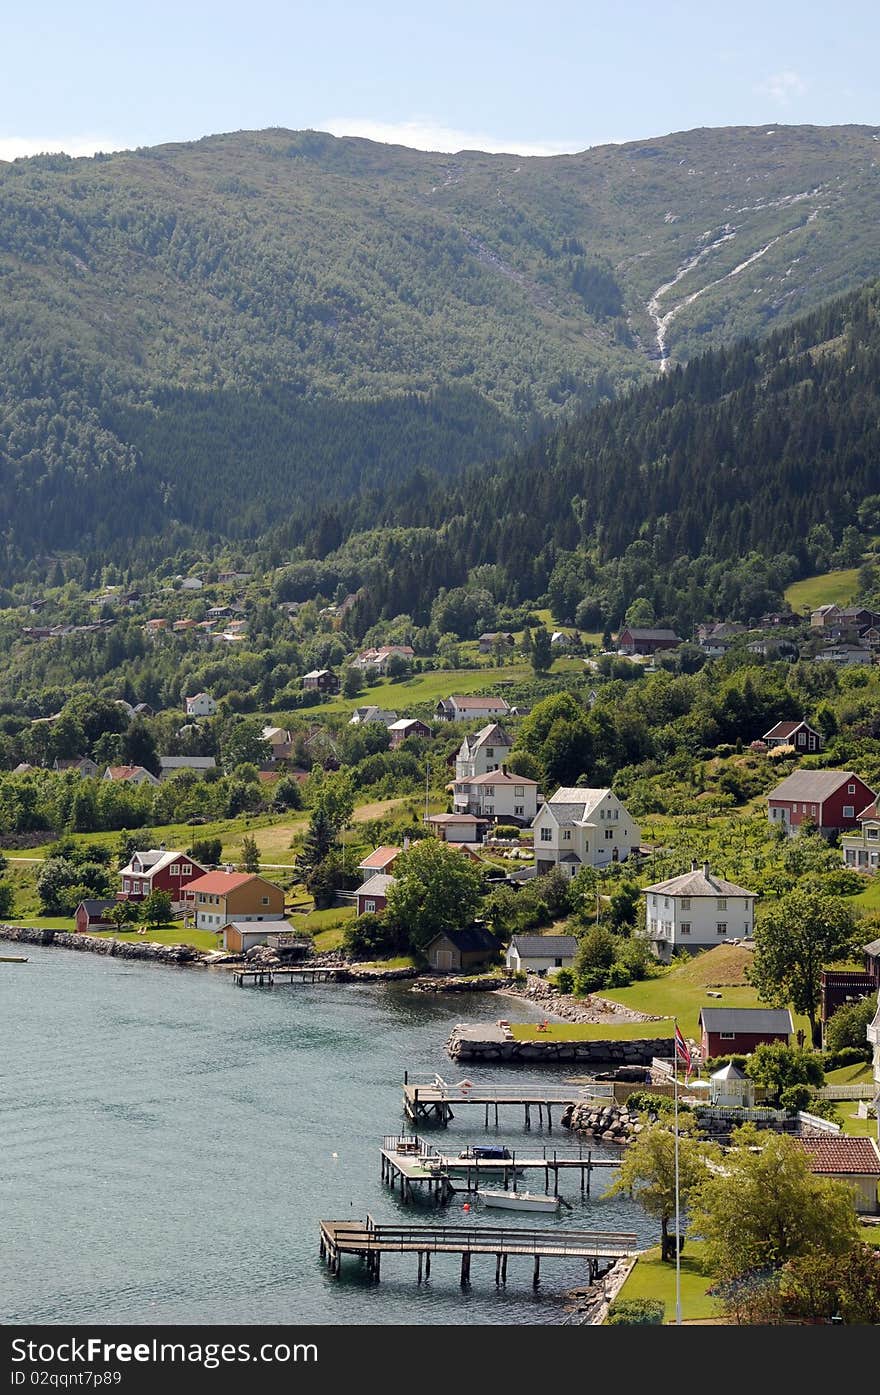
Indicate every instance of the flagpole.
{"type": "Point", "coordinates": [677, 1241]}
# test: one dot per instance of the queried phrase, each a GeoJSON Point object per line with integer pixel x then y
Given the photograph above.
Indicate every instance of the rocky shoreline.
{"type": "Point", "coordinates": [612, 1123]}
{"type": "Point", "coordinates": [568, 1008]}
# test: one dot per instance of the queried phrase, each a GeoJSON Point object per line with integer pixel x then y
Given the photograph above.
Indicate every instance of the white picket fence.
{"type": "Point", "coordinates": [846, 1092]}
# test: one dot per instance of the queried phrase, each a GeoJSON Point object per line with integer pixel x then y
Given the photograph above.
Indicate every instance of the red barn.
{"type": "Point", "coordinates": [157, 870]}
{"type": "Point", "coordinates": [831, 799]}
{"type": "Point", "coordinates": [635, 641]}
{"type": "Point", "coordinates": [737, 1031]}
{"type": "Point", "coordinates": [372, 897]}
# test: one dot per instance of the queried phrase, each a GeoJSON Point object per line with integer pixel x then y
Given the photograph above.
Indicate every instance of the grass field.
{"type": "Point", "coordinates": [399, 695]}
{"type": "Point", "coordinates": [828, 588]}
{"type": "Point", "coordinates": [590, 1031]}
{"type": "Point", "coordinates": [652, 1278]}
{"type": "Point", "coordinates": [176, 935]}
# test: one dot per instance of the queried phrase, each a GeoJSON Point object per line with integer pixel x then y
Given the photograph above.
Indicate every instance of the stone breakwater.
{"type": "Point", "coordinates": [483, 983]}
{"type": "Point", "coordinates": [612, 1123]}
{"type": "Point", "coordinates": [117, 949]}
{"type": "Point", "coordinates": [494, 1045]}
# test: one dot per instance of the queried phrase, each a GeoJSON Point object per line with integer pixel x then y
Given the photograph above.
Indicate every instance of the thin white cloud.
{"type": "Point", "coordinates": [425, 134]}
{"type": "Point", "coordinates": [16, 147]}
{"type": "Point", "coordinates": [782, 87]}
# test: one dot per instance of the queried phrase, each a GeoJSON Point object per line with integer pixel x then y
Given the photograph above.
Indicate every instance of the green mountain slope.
{"type": "Point", "coordinates": [215, 334]}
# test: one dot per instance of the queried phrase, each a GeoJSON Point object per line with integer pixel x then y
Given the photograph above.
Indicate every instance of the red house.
{"type": "Point", "coordinates": [798, 734]}
{"type": "Point", "coordinates": [372, 897]}
{"type": "Point", "coordinates": [93, 915]}
{"type": "Point", "coordinates": [405, 728]}
{"type": "Point", "coordinates": [635, 641]}
{"type": "Point", "coordinates": [157, 870]}
{"type": "Point", "coordinates": [737, 1031]}
{"type": "Point", "coordinates": [831, 799]}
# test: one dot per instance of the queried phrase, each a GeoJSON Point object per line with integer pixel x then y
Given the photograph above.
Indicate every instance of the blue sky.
{"type": "Point", "coordinates": [512, 76]}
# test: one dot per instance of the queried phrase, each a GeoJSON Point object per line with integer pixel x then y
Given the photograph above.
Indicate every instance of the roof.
{"type": "Point", "coordinates": [870, 812]}
{"type": "Point", "coordinates": [221, 882]}
{"type": "Point", "coordinates": [272, 927]}
{"type": "Point", "coordinates": [94, 908]}
{"type": "Point", "coordinates": [856, 1156]}
{"type": "Point", "coordinates": [814, 785]}
{"type": "Point", "coordinates": [544, 946]}
{"type": "Point", "coordinates": [699, 882]}
{"type": "Point", "coordinates": [379, 858]}
{"type": "Point", "coordinates": [469, 941]}
{"type": "Point", "coordinates": [454, 818]}
{"type": "Point", "coordinates": [570, 805]}
{"type": "Point", "coordinates": [496, 777]}
{"type": "Point", "coordinates": [405, 722]}
{"type": "Point", "coordinates": [728, 1072]}
{"type": "Point", "coordinates": [747, 1020]}
{"type": "Point", "coordinates": [873, 949]}
{"type": "Point", "coordinates": [649, 634]}
{"type": "Point", "coordinates": [125, 772]}
{"type": "Point", "coordinates": [155, 860]}
{"type": "Point", "coordinates": [487, 704]}
{"type": "Point", "coordinates": [377, 885]}
{"type": "Point", "coordinates": [783, 729]}
{"type": "Point", "coordinates": [188, 762]}
{"type": "Point", "coordinates": [195, 697]}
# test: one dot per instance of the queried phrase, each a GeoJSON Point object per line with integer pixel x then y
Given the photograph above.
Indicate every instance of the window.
{"type": "Point", "coordinates": [722, 927]}
{"type": "Point", "coordinates": [519, 791]}
{"type": "Point", "coordinates": [519, 810]}
{"type": "Point", "coordinates": [369, 905]}
{"type": "Point", "coordinates": [803, 808]}
{"type": "Point", "coordinates": [490, 751]}
{"type": "Point", "coordinates": [175, 869]}
{"type": "Point", "coordinates": [546, 835]}
{"type": "Point", "coordinates": [126, 884]}
{"type": "Point", "coordinates": [813, 810]}
{"type": "Point", "coordinates": [685, 927]}
{"type": "Point", "coordinates": [871, 833]}
{"type": "Point", "coordinates": [727, 1036]}
{"type": "Point", "coordinates": [186, 870]}
{"type": "Point", "coordinates": [490, 791]}
{"type": "Point", "coordinates": [802, 737]}
{"type": "Point", "coordinates": [850, 789]}
{"type": "Point", "coordinates": [557, 963]}
{"type": "Point", "coordinates": [609, 833]}
{"type": "Point", "coordinates": [685, 903]}
{"type": "Point", "coordinates": [666, 903]}
{"type": "Point", "coordinates": [617, 813]}
{"type": "Point", "coordinates": [264, 901]}
{"type": "Point", "coordinates": [849, 811]}
{"type": "Point", "coordinates": [722, 903]}
{"type": "Point", "coordinates": [566, 835]}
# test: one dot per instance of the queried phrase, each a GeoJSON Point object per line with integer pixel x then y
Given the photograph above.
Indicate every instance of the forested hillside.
{"type": "Point", "coordinates": [203, 340]}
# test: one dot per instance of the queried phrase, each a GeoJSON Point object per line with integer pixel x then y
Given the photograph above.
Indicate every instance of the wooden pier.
{"type": "Point", "coordinates": [431, 1102]}
{"type": "Point", "coordinates": [412, 1163]}
{"type": "Point", "coordinates": [268, 977]}
{"type": "Point", "coordinates": [369, 1242]}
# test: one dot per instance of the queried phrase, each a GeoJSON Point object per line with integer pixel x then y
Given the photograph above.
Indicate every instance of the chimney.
{"type": "Point", "coordinates": [705, 869]}
{"type": "Point", "coordinates": [693, 866]}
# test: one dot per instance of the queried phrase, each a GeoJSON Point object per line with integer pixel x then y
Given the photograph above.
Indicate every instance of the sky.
{"type": "Point", "coordinates": [509, 75]}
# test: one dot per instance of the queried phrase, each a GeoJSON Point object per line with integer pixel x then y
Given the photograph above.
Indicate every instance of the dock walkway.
{"type": "Point", "coordinates": [369, 1242]}
{"type": "Point", "coordinates": [430, 1102]}
{"type": "Point", "coordinates": [411, 1162]}
{"type": "Point", "coordinates": [268, 977]}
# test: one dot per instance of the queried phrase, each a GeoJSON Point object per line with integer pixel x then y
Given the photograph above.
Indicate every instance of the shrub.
{"type": "Point", "coordinates": [795, 1097]}
{"type": "Point", "coordinates": [7, 899]}
{"type": "Point", "coordinates": [847, 1028]}
{"type": "Point", "coordinates": [847, 1056]}
{"type": "Point", "coordinates": [507, 830]}
{"type": "Point", "coordinates": [636, 1312]}
{"type": "Point", "coordinates": [716, 1062]}
{"type": "Point", "coordinates": [563, 980]}
{"type": "Point", "coordinates": [644, 1102]}
{"type": "Point", "coordinates": [617, 976]}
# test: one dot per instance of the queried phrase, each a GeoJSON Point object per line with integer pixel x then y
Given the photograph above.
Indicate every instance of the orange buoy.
{"type": "Point", "coordinates": [467, 1206]}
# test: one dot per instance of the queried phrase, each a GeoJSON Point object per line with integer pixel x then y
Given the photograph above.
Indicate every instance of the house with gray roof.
{"type": "Point", "coordinates": [829, 799]}
{"type": "Point", "coordinates": [582, 827]}
{"type": "Point", "coordinates": [695, 911]}
{"type": "Point", "coordinates": [483, 751]}
{"type": "Point", "coordinates": [538, 953]}
{"type": "Point", "coordinates": [737, 1031]}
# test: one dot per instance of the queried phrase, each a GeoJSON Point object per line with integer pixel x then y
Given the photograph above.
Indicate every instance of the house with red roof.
{"type": "Point", "coordinates": [380, 860]}
{"type": "Point", "coordinates": [130, 774]}
{"type": "Point", "coordinates": [855, 1161]}
{"type": "Point", "coordinates": [222, 898]}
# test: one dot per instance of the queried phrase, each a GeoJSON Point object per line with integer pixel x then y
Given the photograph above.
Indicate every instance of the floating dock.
{"type": "Point", "coordinates": [431, 1102]}
{"type": "Point", "coordinates": [411, 1163]}
{"type": "Point", "coordinates": [369, 1242]}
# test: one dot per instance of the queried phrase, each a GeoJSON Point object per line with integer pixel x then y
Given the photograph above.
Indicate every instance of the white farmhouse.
{"type": "Point", "coordinates": [201, 705]}
{"type": "Point", "coordinates": [538, 953]}
{"type": "Point", "coordinates": [696, 910]}
{"type": "Point", "coordinates": [486, 750]}
{"type": "Point", "coordinates": [582, 827]}
{"type": "Point", "coordinates": [497, 795]}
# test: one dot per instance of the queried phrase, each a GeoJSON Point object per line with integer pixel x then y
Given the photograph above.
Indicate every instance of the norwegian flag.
{"type": "Point", "coordinates": [683, 1052]}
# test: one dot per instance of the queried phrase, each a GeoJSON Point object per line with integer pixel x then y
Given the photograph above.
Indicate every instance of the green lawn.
{"type": "Point", "coordinates": [199, 939]}
{"type": "Point", "coordinates": [652, 1278]}
{"type": "Point", "coordinates": [828, 588]}
{"type": "Point", "coordinates": [869, 899]}
{"type": "Point", "coordinates": [590, 1031]}
{"type": "Point", "coordinates": [327, 940]}
{"type": "Point", "coordinates": [400, 695]}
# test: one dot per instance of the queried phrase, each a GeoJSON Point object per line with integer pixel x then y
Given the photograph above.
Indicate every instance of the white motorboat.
{"type": "Point", "coordinates": [519, 1201]}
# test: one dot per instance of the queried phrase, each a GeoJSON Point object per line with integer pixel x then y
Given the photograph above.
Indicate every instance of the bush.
{"type": "Point", "coordinates": [372, 937]}
{"type": "Point", "coordinates": [506, 830]}
{"type": "Point", "coordinates": [7, 900]}
{"type": "Point", "coordinates": [636, 1312]}
{"type": "Point", "coordinates": [716, 1062]}
{"type": "Point", "coordinates": [846, 1029]}
{"type": "Point", "coordinates": [618, 976]}
{"type": "Point", "coordinates": [207, 851]}
{"type": "Point", "coordinates": [795, 1097]}
{"type": "Point", "coordinates": [847, 1056]}
{"type": "Point", "coordinates": [563, 980]}
{"type": "Point", "coordinates": [644, 1102]}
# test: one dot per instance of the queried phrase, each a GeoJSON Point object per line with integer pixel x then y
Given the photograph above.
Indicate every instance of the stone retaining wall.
{"type": "Point", "coordinates": [597, 1053]}
{"type": "Point", "coordinates": [117, 949]}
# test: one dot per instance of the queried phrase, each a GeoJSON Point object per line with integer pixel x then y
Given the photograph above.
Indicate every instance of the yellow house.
{"type": "Point", "coordinates": [221, 898]}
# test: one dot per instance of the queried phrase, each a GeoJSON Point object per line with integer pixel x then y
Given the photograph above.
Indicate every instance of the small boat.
{"type": "Point", "coordinates": [13, 959]}
{"type": "Point", "coordinates": [519, 1201]}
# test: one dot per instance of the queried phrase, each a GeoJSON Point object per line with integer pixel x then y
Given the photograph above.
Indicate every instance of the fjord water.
{"type": "Point", "coordinates": [169, 1143]}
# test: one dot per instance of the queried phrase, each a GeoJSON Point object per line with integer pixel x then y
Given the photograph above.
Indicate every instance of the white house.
{"type": "Point", "coordinates": [538, 953]}
{"type": "Point", "coordinates": [862, 850]}
{"type": "Point", "coordinates": [497, 795]}
{"type": "Point", "coordinates": [582, 827]}
{"type": "Point", "coordinates": [280, 742]}
{"type": "Point", "coordinates": [201, 705]}
{"type": "Point", "coordinates": [696, 910]}
{"type": "Point", "coordinates": [486, 750]}
{"type": "Point", "coordinates": [371, 714]}
{"type": "Point", "coordinates": [466, 708]}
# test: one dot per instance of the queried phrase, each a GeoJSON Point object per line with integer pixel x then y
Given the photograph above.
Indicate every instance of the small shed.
{"type": "Point", "coordinates": [539, 953]}
{"type": "Point", "coordinates": [241, 935]}
{"type": "Point", "coordinates": [456, 951]}
{"type": "Point", "coordinates": [737, 1031]}
{"type": "Point", "coordinates": [93, 915]}
{"type": "Point", "coordinates": [729, 1087]}
{"type": "Point", "coordinates": [855, 1161]}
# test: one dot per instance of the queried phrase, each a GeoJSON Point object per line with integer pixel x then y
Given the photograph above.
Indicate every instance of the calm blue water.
{"type": "Point", "coordinates": [169, 1142]}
